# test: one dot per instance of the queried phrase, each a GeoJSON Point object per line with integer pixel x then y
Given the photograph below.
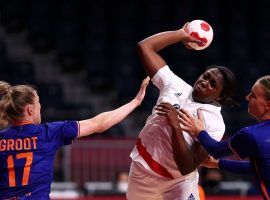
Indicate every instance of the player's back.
{"type": "Point", "coordinates": [26, 162]}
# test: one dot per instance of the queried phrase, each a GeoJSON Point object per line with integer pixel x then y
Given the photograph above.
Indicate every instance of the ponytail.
{"type": "Point", "coordinates": [13, 100]}
{"type": "Point", "coordinates": [5, 102]}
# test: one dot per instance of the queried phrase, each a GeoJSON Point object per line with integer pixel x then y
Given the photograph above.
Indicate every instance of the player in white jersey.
{"type": "Point", "coordinates": [156, 173]}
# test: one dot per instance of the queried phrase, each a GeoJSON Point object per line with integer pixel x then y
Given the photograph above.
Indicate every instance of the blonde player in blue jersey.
{"type": "Point", "coordinates": [27, 147]}
{"type": "Point", "coordinates": [250, 142]}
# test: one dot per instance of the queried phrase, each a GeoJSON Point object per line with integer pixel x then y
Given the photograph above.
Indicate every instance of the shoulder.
{"type": "Point", "coordinates": [166, 77]}
{"type": "Point", "coordinates": [213, 120]}
{"type": "Point", "coordinates": [244, 138]}
{"type": "Point", "coordinates": [252, 128]}
{"type": "Point", "coordinates": [255, 129]}
{"type": "Point", "coordinates": [164, 74]}
{"type": "Point", "coordinates": [211, 112]}
{"type": "Point", "coordinates": [61, 132]}
{"type": "Point", "coordinates": [245, 134]}
{"type": "Point", "coordinates": [58, 126]}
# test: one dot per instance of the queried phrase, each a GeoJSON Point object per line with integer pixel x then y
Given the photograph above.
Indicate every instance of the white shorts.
{"type": "Point", "coordinates": [145, 184]}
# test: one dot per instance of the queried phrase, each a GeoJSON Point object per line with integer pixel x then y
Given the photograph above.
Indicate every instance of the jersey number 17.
{"type": "Point", "coordinates": [26, 170]}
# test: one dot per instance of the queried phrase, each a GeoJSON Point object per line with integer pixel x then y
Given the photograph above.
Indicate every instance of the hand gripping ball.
{"type": "Point", "coordinates": [202, 31]}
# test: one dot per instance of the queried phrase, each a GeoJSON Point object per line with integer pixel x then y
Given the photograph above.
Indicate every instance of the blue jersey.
{"type": "Point", "coordinates": [27, 154]}
{"type": "Point", "coordinates": [253, 142]}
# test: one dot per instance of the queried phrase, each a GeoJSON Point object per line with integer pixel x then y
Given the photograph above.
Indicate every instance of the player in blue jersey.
{"type": "Point", "coordinates": [27, 147]}
{"type": "Point", "coordinates": [250, 142]}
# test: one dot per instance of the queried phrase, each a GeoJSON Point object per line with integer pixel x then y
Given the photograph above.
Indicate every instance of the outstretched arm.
{"type": "Point", "coordinates": [106, 120]}
{"type": "Point", "coordinates": [195, 127]}
{"type": "Point", "coordinates": [148, 48]}
{"type": "Point", "coordinates": [233, 166]}
{"type": "Point", "coordinates": [187, 159]}
{"type": "Point", "coordinates": [237, 167]}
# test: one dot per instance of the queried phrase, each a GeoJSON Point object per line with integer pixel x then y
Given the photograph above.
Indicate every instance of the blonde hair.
{"type": "Point", "coordinates": [13, 100]}
{"type": "Point", "coordinates": [265, 82]}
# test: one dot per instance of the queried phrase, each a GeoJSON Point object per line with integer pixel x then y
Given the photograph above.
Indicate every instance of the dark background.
{"type": "Point", "coordinates": [93, 44]}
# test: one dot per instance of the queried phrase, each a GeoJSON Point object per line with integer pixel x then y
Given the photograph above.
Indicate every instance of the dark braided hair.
{"type": "Point", "coordinates": [230, 85]}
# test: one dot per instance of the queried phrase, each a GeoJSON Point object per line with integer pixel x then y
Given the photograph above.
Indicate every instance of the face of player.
{"type": "Point", "coordinates": [258, 106]}
{"type": "Point", "coordinates": [36, 110]}
{"type": "Point", "coordinates": [208, 86]}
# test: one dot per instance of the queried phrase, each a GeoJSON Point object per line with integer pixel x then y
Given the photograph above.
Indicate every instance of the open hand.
{"type": "Point", "coordinates": [191, 124]}
{"type": "Point", "coordinates": [167, 110]}
{"type": "Point", "coordinates": [140, 95]}
{"type": "Point", "coordinates": [210, 162]}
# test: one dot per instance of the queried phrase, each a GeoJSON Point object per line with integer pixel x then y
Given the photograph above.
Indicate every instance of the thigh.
{"type": "Point", "coordinates": [141, 185]}
{"type": "Point", "coordinates": [184, 190]}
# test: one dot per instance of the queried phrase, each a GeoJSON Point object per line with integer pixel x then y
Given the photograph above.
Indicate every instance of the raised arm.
{"type": "Point", "coordinates": [106, 120]}
{"type": "Point", "coordinates": [148, 48]}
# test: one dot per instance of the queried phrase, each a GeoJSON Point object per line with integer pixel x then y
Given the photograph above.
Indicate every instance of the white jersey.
{"type": "Point", "coordinates": [156, 134]}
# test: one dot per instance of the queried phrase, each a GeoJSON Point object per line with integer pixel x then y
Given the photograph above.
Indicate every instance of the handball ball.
{"type": "Point", "coordinates": [200, 30]}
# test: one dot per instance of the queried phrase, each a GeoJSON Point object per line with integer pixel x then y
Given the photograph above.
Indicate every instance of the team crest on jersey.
{"type": "Point", "coordinates": [191, 197]}
{"type": "Point", "coordinates": [176, 106]}
{"type": "Point", "coordinates": [177, 94]}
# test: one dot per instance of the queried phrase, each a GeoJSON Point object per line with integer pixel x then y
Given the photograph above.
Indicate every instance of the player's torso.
{"type": "Point", "coordinates": [26, 160]}
{"type": "Point", "coordinates": [156, 134]}
{"type": "Point", "coordinates": [262, 138]}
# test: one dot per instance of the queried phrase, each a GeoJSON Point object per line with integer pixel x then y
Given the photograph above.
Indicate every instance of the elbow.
{"type": "Point", "coordinates": [144, 46]}
{"type": "Point", "coordinates": [215, 155]}
{"type": "Point", "coordinates": [141, 47]}
{"type": "Point", "coordinates": [185, 171]}
{"type": "Point", "coordinates": [101, 128]}
{"type": "Point", "coordinates": [184, 168]}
